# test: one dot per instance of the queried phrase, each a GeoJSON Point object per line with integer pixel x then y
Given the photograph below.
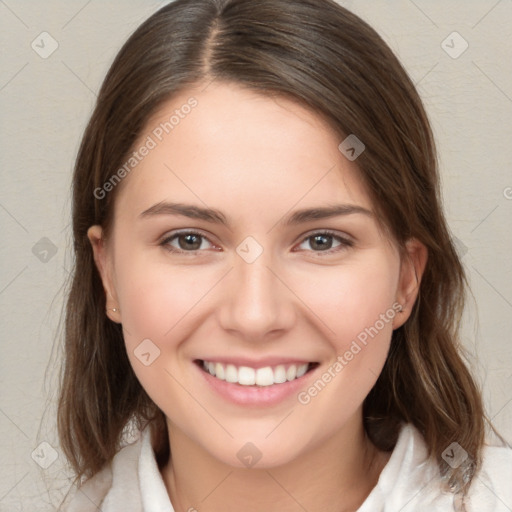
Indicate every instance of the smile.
{"type": "Point", "coordinates": [247, 376]}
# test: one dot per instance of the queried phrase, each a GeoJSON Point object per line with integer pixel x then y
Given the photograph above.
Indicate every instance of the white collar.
{"type": "Point", "coordinates": [408, 479]}
{"type": "Point", "coordinates": [408, 482]}
{"type": "Point", "coordinates": [153, 491]}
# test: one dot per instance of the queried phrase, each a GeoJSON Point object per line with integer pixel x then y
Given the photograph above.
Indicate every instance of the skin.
{"type": "Point", "coordinates": [256, 159]}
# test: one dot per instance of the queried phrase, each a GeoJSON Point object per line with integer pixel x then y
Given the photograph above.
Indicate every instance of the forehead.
{"type": "Point", "coordinates": [230, 147]}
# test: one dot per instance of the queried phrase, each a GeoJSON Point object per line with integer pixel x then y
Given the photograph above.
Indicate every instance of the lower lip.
{"type": "Point", "coordinates": [255, 395]}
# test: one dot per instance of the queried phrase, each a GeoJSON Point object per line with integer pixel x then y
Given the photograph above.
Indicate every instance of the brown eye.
{"type": "Point", "coordinates": [321, 242]}
{"type": "Point", "coordinates": [325, 241]}
{"type": "Point", "coordinates": [187, 241]}
{"type": "Point", "coordinates": [192, 242]}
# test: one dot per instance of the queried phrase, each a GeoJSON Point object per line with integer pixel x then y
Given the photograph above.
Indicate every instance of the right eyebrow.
{"type": "Point", "coordinates": [187, 210]}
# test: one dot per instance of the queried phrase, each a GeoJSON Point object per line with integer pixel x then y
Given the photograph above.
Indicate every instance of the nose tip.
{"type": "Point", "coordinates": [255, 301]}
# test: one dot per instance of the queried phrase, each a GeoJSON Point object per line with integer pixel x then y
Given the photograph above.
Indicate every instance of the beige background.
{"type": "Point", "coordinates": [45, 103]}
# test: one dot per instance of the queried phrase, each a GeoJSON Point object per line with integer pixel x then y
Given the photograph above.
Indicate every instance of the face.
{"type": "Point", "coordinates": [222, 256]}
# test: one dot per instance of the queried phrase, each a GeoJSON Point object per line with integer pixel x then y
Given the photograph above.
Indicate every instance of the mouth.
{"type": "Point", "coordinates": [255, 377]}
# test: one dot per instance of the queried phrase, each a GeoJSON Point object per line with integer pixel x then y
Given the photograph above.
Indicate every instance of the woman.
{"type": "Point", "coordinates": [265, 286]}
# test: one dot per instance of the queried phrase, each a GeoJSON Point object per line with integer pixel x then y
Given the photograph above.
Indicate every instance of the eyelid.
{"type": "Point", "coordinates": [326, 231]}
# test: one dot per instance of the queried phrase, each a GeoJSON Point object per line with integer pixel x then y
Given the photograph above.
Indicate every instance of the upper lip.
{"type": "Point", "coordinates": [257, 363]}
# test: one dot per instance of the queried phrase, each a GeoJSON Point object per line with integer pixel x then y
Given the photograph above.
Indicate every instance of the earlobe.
{"type": "Point", "coordinates": [95, 236]}
{"type": "Point", "coordinates": [412, 267]}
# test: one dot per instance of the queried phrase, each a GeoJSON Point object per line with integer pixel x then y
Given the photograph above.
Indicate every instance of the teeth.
{"type": "Point", "coordinates": [247, 376]}
{"type": "Point", "coordinates": [231, 373]}
{"type": "Point", "coordinates": [291, 373]}
{"type": "Point", "coordinates": [279, 374]}
{"type": "Point", "coordinates": [301, 370]}
{"type": "Point", "coordinates": [264, 376]}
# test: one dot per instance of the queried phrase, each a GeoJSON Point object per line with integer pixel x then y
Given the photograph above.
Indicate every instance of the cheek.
{"type": "Point", "coordinates": [350, 298]}
{"type": "Point", "coordinates": [155, 296]}
{"type": "Point", "coordinates": [355, 303]}
{"type": "Point", "coordinates": [159, 305]}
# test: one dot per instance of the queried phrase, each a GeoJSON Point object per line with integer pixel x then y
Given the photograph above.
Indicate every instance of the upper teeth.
{"type": "Point", "coordinates": [247, 376]}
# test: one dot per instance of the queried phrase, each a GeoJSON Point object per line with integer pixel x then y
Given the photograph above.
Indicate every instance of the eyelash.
{"type": "Point", "coordinates": [344, 242]}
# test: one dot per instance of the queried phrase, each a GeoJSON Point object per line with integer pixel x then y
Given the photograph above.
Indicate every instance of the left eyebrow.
{"type": "Point", "coordinates": [310, 214]}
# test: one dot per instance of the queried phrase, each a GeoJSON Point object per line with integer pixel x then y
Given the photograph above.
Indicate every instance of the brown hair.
{"type": "Point", "coordinates": [328, 59]}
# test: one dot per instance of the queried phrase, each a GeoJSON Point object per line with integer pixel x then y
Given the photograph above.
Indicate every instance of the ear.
{"type": "Point", "coordinates": [413, 262]}
{"type": "Point", "coordinates": [104, 266]}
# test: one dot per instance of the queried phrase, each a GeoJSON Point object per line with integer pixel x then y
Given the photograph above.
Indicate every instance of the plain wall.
{"type": "Point", "coordinates": [45, 104]}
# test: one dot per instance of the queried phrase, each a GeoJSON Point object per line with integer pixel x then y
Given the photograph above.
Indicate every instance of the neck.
{"type": "Point", "coordinates": [336, 475]}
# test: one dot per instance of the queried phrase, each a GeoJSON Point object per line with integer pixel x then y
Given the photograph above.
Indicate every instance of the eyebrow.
{"type": "Point", "coordinates": [217, 217]}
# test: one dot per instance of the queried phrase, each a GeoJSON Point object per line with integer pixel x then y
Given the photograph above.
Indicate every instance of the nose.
{"type": "Point", "coordinates": [257, 304]}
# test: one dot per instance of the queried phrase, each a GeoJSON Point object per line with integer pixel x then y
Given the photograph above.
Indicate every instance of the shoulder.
{"type": "Point", "coordinates": [411, 481]}
{"type": "Point", "coordinates": [491, 489]}
{"type": "Point", "coordinates": [99, 491]}
{"type": "Point", "coordinates": [88, 496]}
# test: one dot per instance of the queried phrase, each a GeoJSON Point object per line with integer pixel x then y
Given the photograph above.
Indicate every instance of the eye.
{"type": "Point", "coordinates": [185, 241]}
{"type": "Point", "coordinates": [323, 242]}
{"type": "Point", "coordinates": [193, 241]}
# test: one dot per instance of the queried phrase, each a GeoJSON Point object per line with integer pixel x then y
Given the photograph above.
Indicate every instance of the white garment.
{"type": "Point", "coordinates": [408, 483]}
